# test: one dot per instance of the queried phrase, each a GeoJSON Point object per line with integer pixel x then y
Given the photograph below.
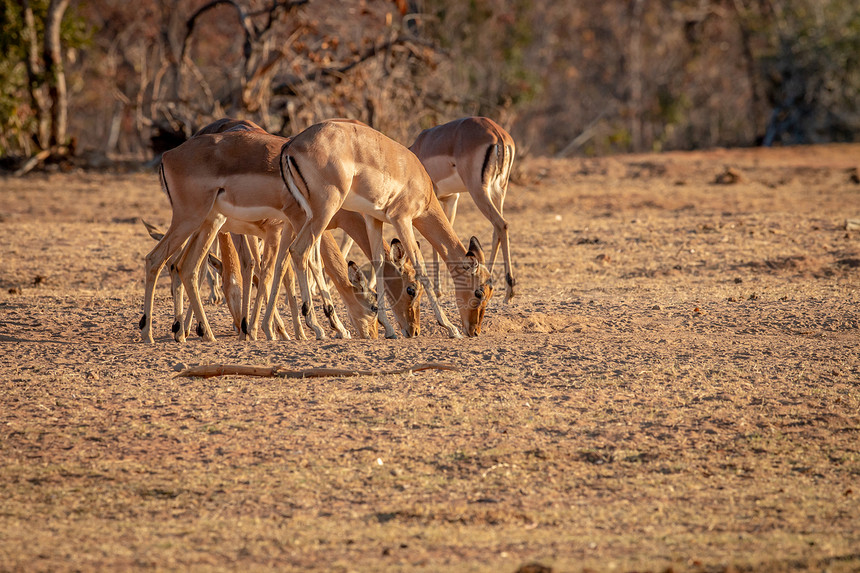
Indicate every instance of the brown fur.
{"type": "Point", "coordinates": [472, 154]}
{"type": "Point", "coordinates": [360, 169]}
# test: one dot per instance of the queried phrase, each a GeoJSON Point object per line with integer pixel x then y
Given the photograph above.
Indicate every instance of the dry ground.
{"type": "Point", "coordinates": [676, 386]}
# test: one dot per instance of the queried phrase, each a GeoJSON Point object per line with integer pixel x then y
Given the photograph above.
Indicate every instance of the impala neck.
{"type": "Point", "coordinates": [434, 225]}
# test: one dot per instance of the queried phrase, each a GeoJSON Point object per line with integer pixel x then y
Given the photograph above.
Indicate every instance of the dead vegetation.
{"type": "Point", "coordinates": [676, 388]}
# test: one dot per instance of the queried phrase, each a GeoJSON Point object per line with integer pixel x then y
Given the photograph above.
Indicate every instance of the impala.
{"type": "Point", "coordinates": [237, 267]}
{"type": "Point", "coordinates": [471, 154]}
{"type": "Point", "coordinates": [231, 172]}
{"type": "Point", "coordinates": [209, 179]}
{"type": "Point", "coordinates": [238, 301]}
{"type": "Point", "coordinates": [228, 269]}
{"type": "Point", "coordinates": [334, 165]}
{"type": "Point", "coordinates": [401, 282]}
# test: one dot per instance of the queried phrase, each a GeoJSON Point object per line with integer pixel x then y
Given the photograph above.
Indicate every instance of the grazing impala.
{"type": "Point", "coordinates": [227, 267]}
{"type": "Point", "coordinates": [236, 251]}
{"type": "Point", "coordinates": [334, 165]}
{"type": "Point", "coordinates": [401, 282]}
{"type": "Point", "coordinates": [471, 154]}
{"type": "Point", "coordinates": [210, 179]}
{"type": "Point", "coordinates": [236, 268]}
{"type": "Point", "coordinates": [205, 181]}
{"type": "Point", "coordinates": [238, 301]}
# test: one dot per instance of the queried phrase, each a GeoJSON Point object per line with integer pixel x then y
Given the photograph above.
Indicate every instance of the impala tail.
{"type": "Point", "coordinates": [164, 185]}
{"type": "Point", "coordinates": [497, 164]}
{"type": "Point", "coordinates": [292, 178]}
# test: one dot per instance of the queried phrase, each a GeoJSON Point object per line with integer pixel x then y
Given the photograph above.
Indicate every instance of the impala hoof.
{"type": "Point", "coordinates": [320, 334]}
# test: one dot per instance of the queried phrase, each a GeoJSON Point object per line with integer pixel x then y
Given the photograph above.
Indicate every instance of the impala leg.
{"type": "Point", "coordinates": [300, 258]}
{"type": "Point", "coordinates": [290, 285]}
{"type": "Point", "coordinates": [322, 284]}
{"type": "Point", "coordinates": [300, 253]}
{"type": "Point", "coordinates": [213, 279]}
{"type": "Point", "coordinates": [374, 234]}
{"type": "Point", "coordinates": [181, 318]}
{"type": "Point", "coordinates": [306, 256]}
{"type": "Point", "coordinates": [182, 325]}
{"type": "Point", "coordinates": [230, 271]}
{"type": "Point", "coordinates": [183, 328]}
{"type": "Point", "coordinates": [246, 264]}
{"type": "Point", "coordinates": [280, 329]}
{"type": "Point", "coordinates": [510, 281]}
{"type": "Point", "coordinates": [449, 206]}
{"type": "Point", "coordinates": [271, 247]}
{"type": "Point", "coordinates": [278, 323]}
{"type": "Point", "coordinates": [272, 242]}
{"type": "Point", "coordinates": [407, 237]}
{"type": "Point", "coordinates": [179, 328]}
{"type": "Point", "coordinates": [273, 327]}
{"type": "Point", "coordinates": [491, 208]}
{"type": "Point", "coordinates": [253, 323]}
{"type": "Point", "coordinates": [189, 269]}
{"type": "Point", "coordinates": [167, 246]}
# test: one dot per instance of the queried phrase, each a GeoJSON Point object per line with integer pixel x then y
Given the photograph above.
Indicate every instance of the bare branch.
{"type": "Point", "coordinates": [272, 12]}
{"type": "Point", "coordinates": [210, 370]}
{"type": "Point", "coordinates": [336, 72]}
{"type": "Point", "coordinates": [244, 21]}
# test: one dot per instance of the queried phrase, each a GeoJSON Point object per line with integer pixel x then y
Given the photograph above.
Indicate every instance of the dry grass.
{"type": "Point", "coordinates": [675, 387]}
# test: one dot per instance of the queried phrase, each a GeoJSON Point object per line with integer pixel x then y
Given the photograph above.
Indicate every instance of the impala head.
{"type": "Point", "coordinates": [232, 286]}
{"type": "Point", "coordinates": [403, 289]}
{"type": "Point", "coordinates": [363, 317]}
{"type": "Point", "coordinates": [473, 289]}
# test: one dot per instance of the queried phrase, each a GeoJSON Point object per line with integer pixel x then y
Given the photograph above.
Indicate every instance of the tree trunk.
{"type": "Point", "coordinates": [54, 69]}
{"type": "Point", "coordinates": [756, 98]}
{"type": "Point", "coordinates": [636, 136]}
{"type": "Point", "coordinates": [35, 80]}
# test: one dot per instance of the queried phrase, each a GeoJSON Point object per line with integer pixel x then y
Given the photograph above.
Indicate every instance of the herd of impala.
{"type": "Point", "coordinates": [235, 182]}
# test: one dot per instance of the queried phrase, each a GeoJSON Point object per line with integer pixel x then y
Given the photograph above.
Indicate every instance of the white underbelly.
{"type": "Point", "coordinates": [243, 228]}
{"type": "Point", "coordinates": [443, 171]}
{"type": "Point", "coordinates": [250, 196]}
{"type": "Point", "coordinates": [247, 212]}
{"type": "Point", "coordinates": [359, 204]}
{"type": "Point", "coordinates": [449, 185]}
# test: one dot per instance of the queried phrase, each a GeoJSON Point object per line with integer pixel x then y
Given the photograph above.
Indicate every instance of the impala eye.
{"type": "Point", "coordinates": [410, 290]}
{"type": "Point", "coordinates": [479, 293]}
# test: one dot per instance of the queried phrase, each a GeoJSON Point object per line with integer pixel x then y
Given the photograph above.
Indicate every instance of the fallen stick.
{"type": "Point", "coordinates": [210, 370]}
{"type": "Point", "coordinates": [31, 163]}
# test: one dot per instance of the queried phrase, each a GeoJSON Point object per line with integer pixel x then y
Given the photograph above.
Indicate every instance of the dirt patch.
{"type": "Point", "coordinates": [677, 386]}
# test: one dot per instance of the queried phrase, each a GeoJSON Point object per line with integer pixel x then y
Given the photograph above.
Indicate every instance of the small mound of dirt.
{"type": "Point", "coordinates": [851, 263]}
{"type": "Point", "coordinates": [729, 176]}
{"type": "Point", "coordinates": [797, 263]}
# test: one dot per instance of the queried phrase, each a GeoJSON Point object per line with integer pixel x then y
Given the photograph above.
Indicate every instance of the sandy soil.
{"type": "Point", "coordinates": [677, 385]}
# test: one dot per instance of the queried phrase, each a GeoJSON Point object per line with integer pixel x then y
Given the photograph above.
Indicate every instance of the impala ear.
{"type": "Point", "coordinates": [216, 263]}
{"type": "Point", "coordinates": [475, 250]}
{"type": "Point", "coordinates": [398, 252]}
{"type": "Point", "coordinates": [356, 277]}
{"type": "Point", "coordinates": [153, 231]}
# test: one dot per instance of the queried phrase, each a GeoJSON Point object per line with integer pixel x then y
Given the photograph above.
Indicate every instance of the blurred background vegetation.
{"type": "Point", "coordinates": [103, 80]}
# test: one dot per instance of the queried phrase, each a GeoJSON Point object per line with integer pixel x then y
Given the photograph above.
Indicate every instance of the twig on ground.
{"type": "Point", "coordinates": [31, 163]}
{"type": "Point", "coordinates": [210, 370]}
